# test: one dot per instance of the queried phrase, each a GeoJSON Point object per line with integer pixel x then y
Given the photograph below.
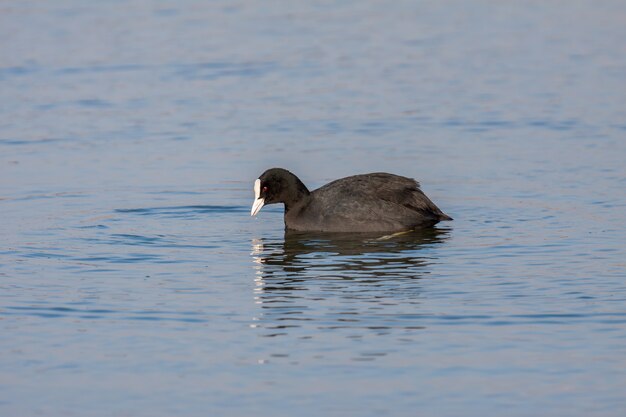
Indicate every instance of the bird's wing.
{"type": "Point", "coordinates": [390, 188]}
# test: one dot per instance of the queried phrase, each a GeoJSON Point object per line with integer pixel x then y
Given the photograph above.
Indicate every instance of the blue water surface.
{"type": "Point", "coordinates": [133, 281]}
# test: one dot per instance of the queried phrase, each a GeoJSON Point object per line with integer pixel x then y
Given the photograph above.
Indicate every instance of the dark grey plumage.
{"type": "Point", "coordinates": [377, 202]}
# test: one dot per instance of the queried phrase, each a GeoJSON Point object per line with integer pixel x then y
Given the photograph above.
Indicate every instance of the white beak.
{"type": "Point", "coordinates": [258, 201]}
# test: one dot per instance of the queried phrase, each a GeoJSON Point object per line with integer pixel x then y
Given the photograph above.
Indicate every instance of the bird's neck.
{"type": "Point", "coordinates": [297, 196]}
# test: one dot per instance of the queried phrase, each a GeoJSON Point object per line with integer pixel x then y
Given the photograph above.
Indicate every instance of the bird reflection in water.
{"type": "Point", "coordinates": [313, 282]}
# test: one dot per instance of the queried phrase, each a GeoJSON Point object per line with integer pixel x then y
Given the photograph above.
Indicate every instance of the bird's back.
{"type": "Point", "coordinates": [377, 202]}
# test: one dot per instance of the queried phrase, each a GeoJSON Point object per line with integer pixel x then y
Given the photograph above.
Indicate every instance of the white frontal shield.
{"type": "Point", "coordinates": [258, 201]}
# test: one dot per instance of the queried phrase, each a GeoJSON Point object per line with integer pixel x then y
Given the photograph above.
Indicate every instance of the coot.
{"type": "Point", "coordinates": [377, 202]}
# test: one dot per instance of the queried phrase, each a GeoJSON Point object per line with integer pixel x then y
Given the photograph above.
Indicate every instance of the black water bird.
{"type": "Point", "coordinates": [377, 202]}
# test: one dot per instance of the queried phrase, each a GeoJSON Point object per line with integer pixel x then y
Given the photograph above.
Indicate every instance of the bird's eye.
{"type": "Point", "coordinates": [265, 189]}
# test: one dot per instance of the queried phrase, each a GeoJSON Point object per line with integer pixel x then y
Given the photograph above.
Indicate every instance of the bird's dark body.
{"type": "Point", "coordinates": [377, 202]}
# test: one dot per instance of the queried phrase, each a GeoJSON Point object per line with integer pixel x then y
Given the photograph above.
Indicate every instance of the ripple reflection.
{"type": "Point", "coordinates": [309, 281]}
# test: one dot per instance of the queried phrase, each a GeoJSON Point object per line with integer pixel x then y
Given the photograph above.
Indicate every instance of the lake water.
{"type": "Point", "coordinates": [133, 281]}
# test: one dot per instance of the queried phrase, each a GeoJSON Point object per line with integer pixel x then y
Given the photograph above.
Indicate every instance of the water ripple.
{"type": "Point", "coordinates": [183, 211]}
{"type": "Point", "coordinates": [98, 313]}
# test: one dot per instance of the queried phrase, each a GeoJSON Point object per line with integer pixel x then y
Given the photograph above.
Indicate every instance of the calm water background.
{"type": "Point", "coordinates": [134, 283]}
